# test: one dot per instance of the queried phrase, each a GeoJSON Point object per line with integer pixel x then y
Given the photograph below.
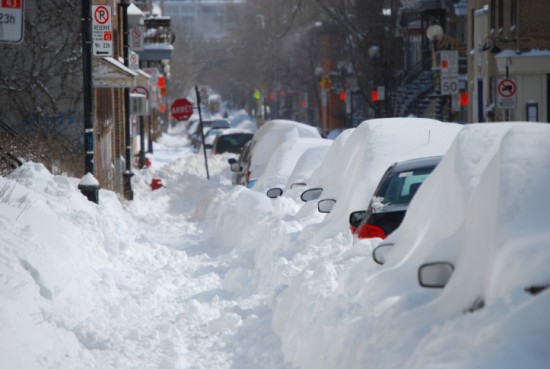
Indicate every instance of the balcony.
{"type": "Point", "coordinates": [158, 39]}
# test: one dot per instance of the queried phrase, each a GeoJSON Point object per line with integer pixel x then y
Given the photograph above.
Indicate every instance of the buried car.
{"type": "Point", "coordinates": [265, 141]}
{"type": "Point", "coordinates": [325, 171]}
{"type": "Point", "coordinates": [372, 147]}
{"type": "Point", "coordinates": [392, 198]}
{"type": "Point", "coordinates": [478, 229]}
{"type": "Point", "coordinates": [282, 163]}
{"type": "Point", "coordinates": [236, 165]}
{"type": "Point", "coordinates": [231, 140]}
{"type": "Point", "coordinates": [465, 284]}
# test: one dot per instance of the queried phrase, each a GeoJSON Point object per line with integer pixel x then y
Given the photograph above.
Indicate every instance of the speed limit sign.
{"type": "Point", "coordinates": [449, 85]}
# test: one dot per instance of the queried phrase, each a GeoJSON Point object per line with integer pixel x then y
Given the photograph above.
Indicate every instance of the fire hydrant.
{"type": "Point", "coordinates": [156, 183]}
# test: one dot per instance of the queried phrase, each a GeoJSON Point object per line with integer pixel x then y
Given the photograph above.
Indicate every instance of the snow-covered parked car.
{"type": "Point", "coordinates": [265, 141]}
{"type": "Point", "coordinates": [391, 199]}
{"type": "Point", "coordinates": [231, 140]}
{"type": "Point", "coordinates": [371, 148]}
{"type": "Point", "coordinates": [306, 165]}
{"type": "Point", "coordinates": [274, 179]}
{"type": "Point", "coordinates": [475, 239]}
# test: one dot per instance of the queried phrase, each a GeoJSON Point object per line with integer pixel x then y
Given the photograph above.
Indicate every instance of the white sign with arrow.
{"type": "Point", "coordinates": [102, 31]}
{"type": "Point", "coordinates": [11, 21]}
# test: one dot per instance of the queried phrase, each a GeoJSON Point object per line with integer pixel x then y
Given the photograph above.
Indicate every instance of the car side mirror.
{"type": "Point", "coordinates": [297, 184]}
{"type": "Point", "coordinates": [311, 194]}
{"type": "Point", "coordinates": [380, 253]}
{"type": "Point", "coordinates": [326, 205]}
{"type": "Point", "coordinates": [273, 193]}
{"type": "Point", "coordinates": [235, 167]}
{"type": "Point", "coordinates": [356, 217]}
{"type": "Point", "coordinates": [435, 275]}
{"type": "Point", "coordinates": [231, 160]}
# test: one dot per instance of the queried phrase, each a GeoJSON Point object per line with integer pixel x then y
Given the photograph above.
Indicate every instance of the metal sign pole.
{"type": "Point", "coordinates": [202, 131]}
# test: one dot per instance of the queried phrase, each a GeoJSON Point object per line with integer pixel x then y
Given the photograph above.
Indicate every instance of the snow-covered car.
{"type": "Point", "coordinates": [321, 176]}
{"type": "Point", "coordinates": [306, 165]}
{"type": "Point", "coordinates": [236, 165]}
{"type": "Point", "coordinates": [231, 140]}
{"type": "Point", "coordinates": [392, 198]}
{"type": "Point", "coordinates": [222, 123]}
{"type": "Point", "coordinates": [266, 140]}
{"type": "Point", "coordinates": [192, 128]}
{"type": "Point", "coordinates": [475, 238]}
{"type": "Point", "coordinates": [210, 136]}
{"type": "Point", "coordinates": [371, 148]}
{"type": "Point", "coordinates": [283, 161]}
{"type": "Point", "coordinates": [196, 136]}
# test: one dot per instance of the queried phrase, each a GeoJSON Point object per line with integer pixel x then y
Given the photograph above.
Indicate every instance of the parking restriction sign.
{"type": "Point", "coordinates": [506, 97]}
{"type": "Point", "coordinates": [11, 21]}
{"type": "Point", "coordinates": [102, 31]}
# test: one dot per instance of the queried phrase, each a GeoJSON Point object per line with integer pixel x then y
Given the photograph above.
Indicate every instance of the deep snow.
{"type": "Point", "coordinates": [203, 274]}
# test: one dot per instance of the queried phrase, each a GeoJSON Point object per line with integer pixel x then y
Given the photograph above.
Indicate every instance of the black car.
{"type": "Point", "coordinates": [391, 198]}
{"type": "Point", "coordinates": [231, 141]}
{"type": "Point", "coordinates": [238, 165]}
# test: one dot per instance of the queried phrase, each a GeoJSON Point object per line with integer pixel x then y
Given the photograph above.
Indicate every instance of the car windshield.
{"type": "Point", "coordinates": [233, 142]}
{"type": "Point", "coordinates": [400, 187]}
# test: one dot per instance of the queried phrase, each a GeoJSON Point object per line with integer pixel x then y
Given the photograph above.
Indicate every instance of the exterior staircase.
{"type": "Point", "coordinates": [415, 93]}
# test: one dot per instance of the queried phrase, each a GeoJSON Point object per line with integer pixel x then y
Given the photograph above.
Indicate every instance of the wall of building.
{"type": "Point", "coordinates": [510, 39]}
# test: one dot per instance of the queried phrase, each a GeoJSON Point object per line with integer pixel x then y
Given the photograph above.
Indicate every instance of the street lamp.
{"type": "Point", "coordinates": [136, 18]}
{"type": "Point", "coordinates": [435, 33]}
{"type": "Point", "coordinates": [374, 51]}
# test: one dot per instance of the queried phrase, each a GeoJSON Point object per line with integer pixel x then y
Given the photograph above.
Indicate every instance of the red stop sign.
{"type": "Point", "coordinates": [181, 109]}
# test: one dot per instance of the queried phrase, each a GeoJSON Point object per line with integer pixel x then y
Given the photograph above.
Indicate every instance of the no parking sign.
{"type": "Point", "coordinates": [506, 94]}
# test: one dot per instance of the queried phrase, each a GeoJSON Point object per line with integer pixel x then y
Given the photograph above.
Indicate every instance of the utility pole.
{"type": "Point", "coordinates": [87, 81]}
{"type": "Point", "coordinates": [88, 184]}
{"type": "Point", "coordinates": [127, 176]}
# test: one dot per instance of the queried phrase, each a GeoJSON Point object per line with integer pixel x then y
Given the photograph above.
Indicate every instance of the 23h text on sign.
{"type": "Point", "coordinates": [11, 21]}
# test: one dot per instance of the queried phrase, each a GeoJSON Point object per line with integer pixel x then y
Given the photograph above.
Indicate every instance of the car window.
{"type": "Point", "coordinates": [232, 142]}
{"type": "Point", "coordinates": [401, 187]}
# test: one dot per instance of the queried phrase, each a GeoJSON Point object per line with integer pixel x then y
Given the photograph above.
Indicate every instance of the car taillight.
{"type": "Point", "coordinates": [370, 231]}
{"type": "Point", "coordinates": [247, 176]}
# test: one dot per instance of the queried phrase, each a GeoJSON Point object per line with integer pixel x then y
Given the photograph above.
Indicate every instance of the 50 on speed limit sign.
{"type": "Point", "coordinates": [449, 85]}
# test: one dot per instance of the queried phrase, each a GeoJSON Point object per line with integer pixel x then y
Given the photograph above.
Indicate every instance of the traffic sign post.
{"type": "Point", "coordinates": [181, 109]}
{"type": "Point", "coordinates": [102, 31]}
{"type": "Point", "coordinates": [202, 131]}
{"type": "Point", "coordinates": [326, 84]}
{"type": "Point", "coordinates": [449, 72]}
{"type": "Point", "coordinates": [506, 96]}
{"type": "Point", "coordinates": [11, 21]}
{"type": "Point", "coordinates": [137, 39]}
{"type": "Point", "coordinates": [203, 90]}
{"type": "Point", "coordinates": [133, 61]}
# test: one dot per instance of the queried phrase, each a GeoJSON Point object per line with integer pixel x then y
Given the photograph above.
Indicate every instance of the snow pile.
{"type": "Point", "coordinates": [203, 274]}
